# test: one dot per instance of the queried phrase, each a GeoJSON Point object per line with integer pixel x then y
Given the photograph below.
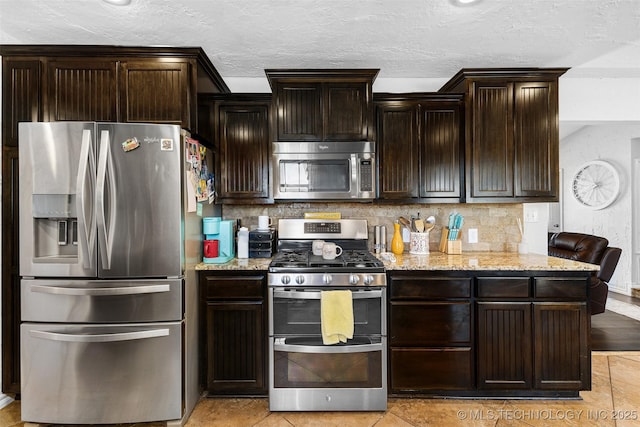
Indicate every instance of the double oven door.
{"type": "Point", "coordinates": [306, 375]}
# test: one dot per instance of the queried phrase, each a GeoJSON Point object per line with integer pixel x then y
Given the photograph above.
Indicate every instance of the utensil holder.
{"type": "Point", "coordinates": [419, 243]}
{"type": "Point", "coordinates": [452, 247]}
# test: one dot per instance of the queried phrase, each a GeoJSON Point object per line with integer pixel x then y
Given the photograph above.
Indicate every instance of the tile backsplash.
{"type": "Point", "coordinates": [496, 223]}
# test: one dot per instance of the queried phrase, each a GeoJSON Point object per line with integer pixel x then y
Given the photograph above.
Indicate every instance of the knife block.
{"type": "Point", "coordinates": [452, 247]}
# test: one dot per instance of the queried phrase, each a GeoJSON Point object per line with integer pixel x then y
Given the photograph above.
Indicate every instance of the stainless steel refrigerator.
{"type": "Point", "coordinates": [108, 248]}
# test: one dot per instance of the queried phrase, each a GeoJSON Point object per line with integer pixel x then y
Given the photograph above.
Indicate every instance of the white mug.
{"type": "Point", "coordinates": [331, 250]}
{"type": "Point", "coordinates": [264, 222]}
{"type": "Point", "coordinates": [316, 247]}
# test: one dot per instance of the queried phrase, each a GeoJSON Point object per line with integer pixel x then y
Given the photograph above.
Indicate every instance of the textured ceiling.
{"type": "Point", "coordinates": [403, 38]}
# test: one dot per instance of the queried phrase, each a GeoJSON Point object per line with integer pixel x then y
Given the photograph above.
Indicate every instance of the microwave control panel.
{"type": "Point", "coordinates": [366, 175]}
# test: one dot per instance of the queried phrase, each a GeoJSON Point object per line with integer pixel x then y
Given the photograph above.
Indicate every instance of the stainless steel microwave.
{"type": "Point", "coordinates": [324, 170]}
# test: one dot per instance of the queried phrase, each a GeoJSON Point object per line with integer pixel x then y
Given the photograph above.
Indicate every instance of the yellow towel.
{"type": "Point", "coordinates": [336, 316]}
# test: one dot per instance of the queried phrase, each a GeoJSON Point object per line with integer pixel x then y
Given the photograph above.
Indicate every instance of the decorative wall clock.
{"type": "Point", "coordinates": [596, 184]}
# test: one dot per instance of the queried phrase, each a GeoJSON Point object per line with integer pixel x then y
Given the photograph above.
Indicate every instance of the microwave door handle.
{"type": "Point", "coordinates": [86, 223]}
{"type": "Point", "coordinates": [105, 170]}
{"type": "Point", "coordinates": [97, 338]}
{"type": "Point", "coordinates": [316, 295]}
{"type": "Point", "coordinates": [355, 172]}
{"type": "Point", "coordinates": [327, 349]}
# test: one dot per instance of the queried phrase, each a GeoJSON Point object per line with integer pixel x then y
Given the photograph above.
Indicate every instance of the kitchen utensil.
{"type": "Point", "coordinates": [405, 222]}
{"type": "Point", "coordinates": [419, 225]}
{"type": "Point", "coordinates": [430, 222]}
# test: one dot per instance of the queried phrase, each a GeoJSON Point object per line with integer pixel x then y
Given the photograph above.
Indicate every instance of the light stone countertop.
{"type": "Point", "coordinates": [478, 261]}
{"type": "Point", "coordinates": [238, 264]}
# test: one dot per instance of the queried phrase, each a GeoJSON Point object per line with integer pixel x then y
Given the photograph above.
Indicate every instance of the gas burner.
{"type": "Point", "coordinates": [295, 265]}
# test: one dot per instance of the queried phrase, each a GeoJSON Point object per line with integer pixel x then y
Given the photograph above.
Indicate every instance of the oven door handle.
{"type": "Point", "coordinates": [327, 349]}
{"type": "Point", "coordinates": [316, 295]}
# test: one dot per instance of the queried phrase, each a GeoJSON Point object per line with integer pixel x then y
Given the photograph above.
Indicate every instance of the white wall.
{"type": "Point", "coordinates": [610, 142]}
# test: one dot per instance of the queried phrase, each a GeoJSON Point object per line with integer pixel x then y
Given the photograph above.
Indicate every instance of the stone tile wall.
{"type": "Point", "coordinates": [496, 223]}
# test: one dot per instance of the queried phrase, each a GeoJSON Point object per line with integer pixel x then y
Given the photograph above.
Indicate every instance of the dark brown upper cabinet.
{"type": "Point", "coordinates": [420, 147]}
{"type": "Point", "coordinates": [511, 135]}
{"type": "Point", "coordinates": [81, 90]}
{"type": "Point", "coordinates": [155, 92]}
{"type": "Point", "coordinates": [322, 104]}
{"type": "Point", "coordinates": [242, 146]}
{"type": "Point", "coordinates": [84, 83]}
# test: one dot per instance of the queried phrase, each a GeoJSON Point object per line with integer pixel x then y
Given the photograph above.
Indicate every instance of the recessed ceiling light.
{"type": "Point", "coordinates": [465, 2]}
{"type": "Point", "coordinates": [120, 2]}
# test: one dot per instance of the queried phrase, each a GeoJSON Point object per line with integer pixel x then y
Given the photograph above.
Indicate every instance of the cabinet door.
{"type": "Point", "coordinates": [81, 90]}
{"type": "Point", "coordinates": [504, 345]}
{"type": "Point", "coordinates": [536, 139]}
{"type": "Point", "coordinates": [235, 350]}
{"type": "Point", "coordinates": [562, 357]}
{"type": "Point", "coordinates": [155, 92]}
{"type": "Point", "coordinates": [398, 151]}
{"type": "Point", "coordinates": [244, 152]}
{"type": "Point", "coordinates": [490, 149]}
{"type": "Point", "coordinates": [425, 369]}
{"type": "Point", "coordinates": [21, 84]}
{"type": "Point", "coordinates": [346, 111]}
{"type": "Point", "coordinates": [440, 150]}
{"type": "Point", "coordinates": [299, 111]}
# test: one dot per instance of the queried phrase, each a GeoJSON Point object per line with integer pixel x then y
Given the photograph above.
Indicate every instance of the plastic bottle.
{"type": "Point", "coordinates": [397, 245]}
{"type": "Point", "coordinates": [243, 242]}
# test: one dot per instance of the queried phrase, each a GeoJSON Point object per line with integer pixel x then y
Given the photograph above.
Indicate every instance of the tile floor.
{"type": "Point", "coordinates": [613, 401]}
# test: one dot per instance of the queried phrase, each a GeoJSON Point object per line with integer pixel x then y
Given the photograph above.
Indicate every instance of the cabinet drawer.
{"type": "Point", "coordinates": [431, 369]}
{"type": "Point", "coordinates": [234, 287]}
{"type": "Point", "coordinates": [430, 287]}
{"type": "Point", "coordinates": [560, 288]}
{"type": "Point", "coordinates": [430, 324]}
{"type": "Point", "coordinates": [503, 287]}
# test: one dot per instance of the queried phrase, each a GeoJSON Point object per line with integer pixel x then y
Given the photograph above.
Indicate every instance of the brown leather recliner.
{"type": "Point", "coordinates": [593, 250]}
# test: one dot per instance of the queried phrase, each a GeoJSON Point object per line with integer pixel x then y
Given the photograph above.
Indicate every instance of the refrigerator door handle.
{"type": "Point", "coordinates": [86, 222]}
{"type": "Point", "coordinates": [105, 170]}
{"type": "Point", "coordinates": [126, 290]}
{"type": "Point", "coordinates": [88, 338]}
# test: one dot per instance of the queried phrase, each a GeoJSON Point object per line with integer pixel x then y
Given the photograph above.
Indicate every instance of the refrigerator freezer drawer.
{"type": "Point", "coordinates": [91, 374]}
{"type": "Point", "coordinates": [101, 301]}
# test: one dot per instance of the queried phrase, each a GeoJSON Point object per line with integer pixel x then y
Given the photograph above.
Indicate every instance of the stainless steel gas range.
{"type": "Point", "coordinates": [304, 373]}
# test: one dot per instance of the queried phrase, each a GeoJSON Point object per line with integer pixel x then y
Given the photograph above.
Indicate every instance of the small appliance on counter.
{"type": "Point", "coordinates": [219, 240]}
{"type": "Point", "coordinates": [262, 243]}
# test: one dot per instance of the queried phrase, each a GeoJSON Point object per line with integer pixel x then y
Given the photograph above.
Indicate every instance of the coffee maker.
{"type": "Point", "coordinates": [219, 240]}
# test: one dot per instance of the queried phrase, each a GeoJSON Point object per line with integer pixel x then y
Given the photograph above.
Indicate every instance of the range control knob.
{"type": "Point", "coordinates": [368, 279]}
{"type": "Point", "coordinates": [326, 279]}
{"type": "Point", "coordinates": [285, 280]}
{"type": "Point", "coordinates": [354, 279]}
{"type": "Point", "coordinates": [300, 279]}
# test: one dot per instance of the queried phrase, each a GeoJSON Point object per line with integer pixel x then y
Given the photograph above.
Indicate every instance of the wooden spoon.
{"type": "Point", "coordinates": [419, 225]}
{"type": "Point", "coordinates": [430, 223]}
{"type": "Point", "coordinates": [405, 222]}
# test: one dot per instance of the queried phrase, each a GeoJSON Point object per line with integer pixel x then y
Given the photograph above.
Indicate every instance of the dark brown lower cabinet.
{"type": "Point", "coordinates": [561, 333]}
{"type": "Point", "coordinates": [533, 334]}
{"type": "Point", "coordinates": [504, 345]}
{"type": "Point", "coordinates": [234, 328]}
{"type": "Point", "coordinates": [487, 334]}
{"type": "Point", "coordinates": [430, 333]}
